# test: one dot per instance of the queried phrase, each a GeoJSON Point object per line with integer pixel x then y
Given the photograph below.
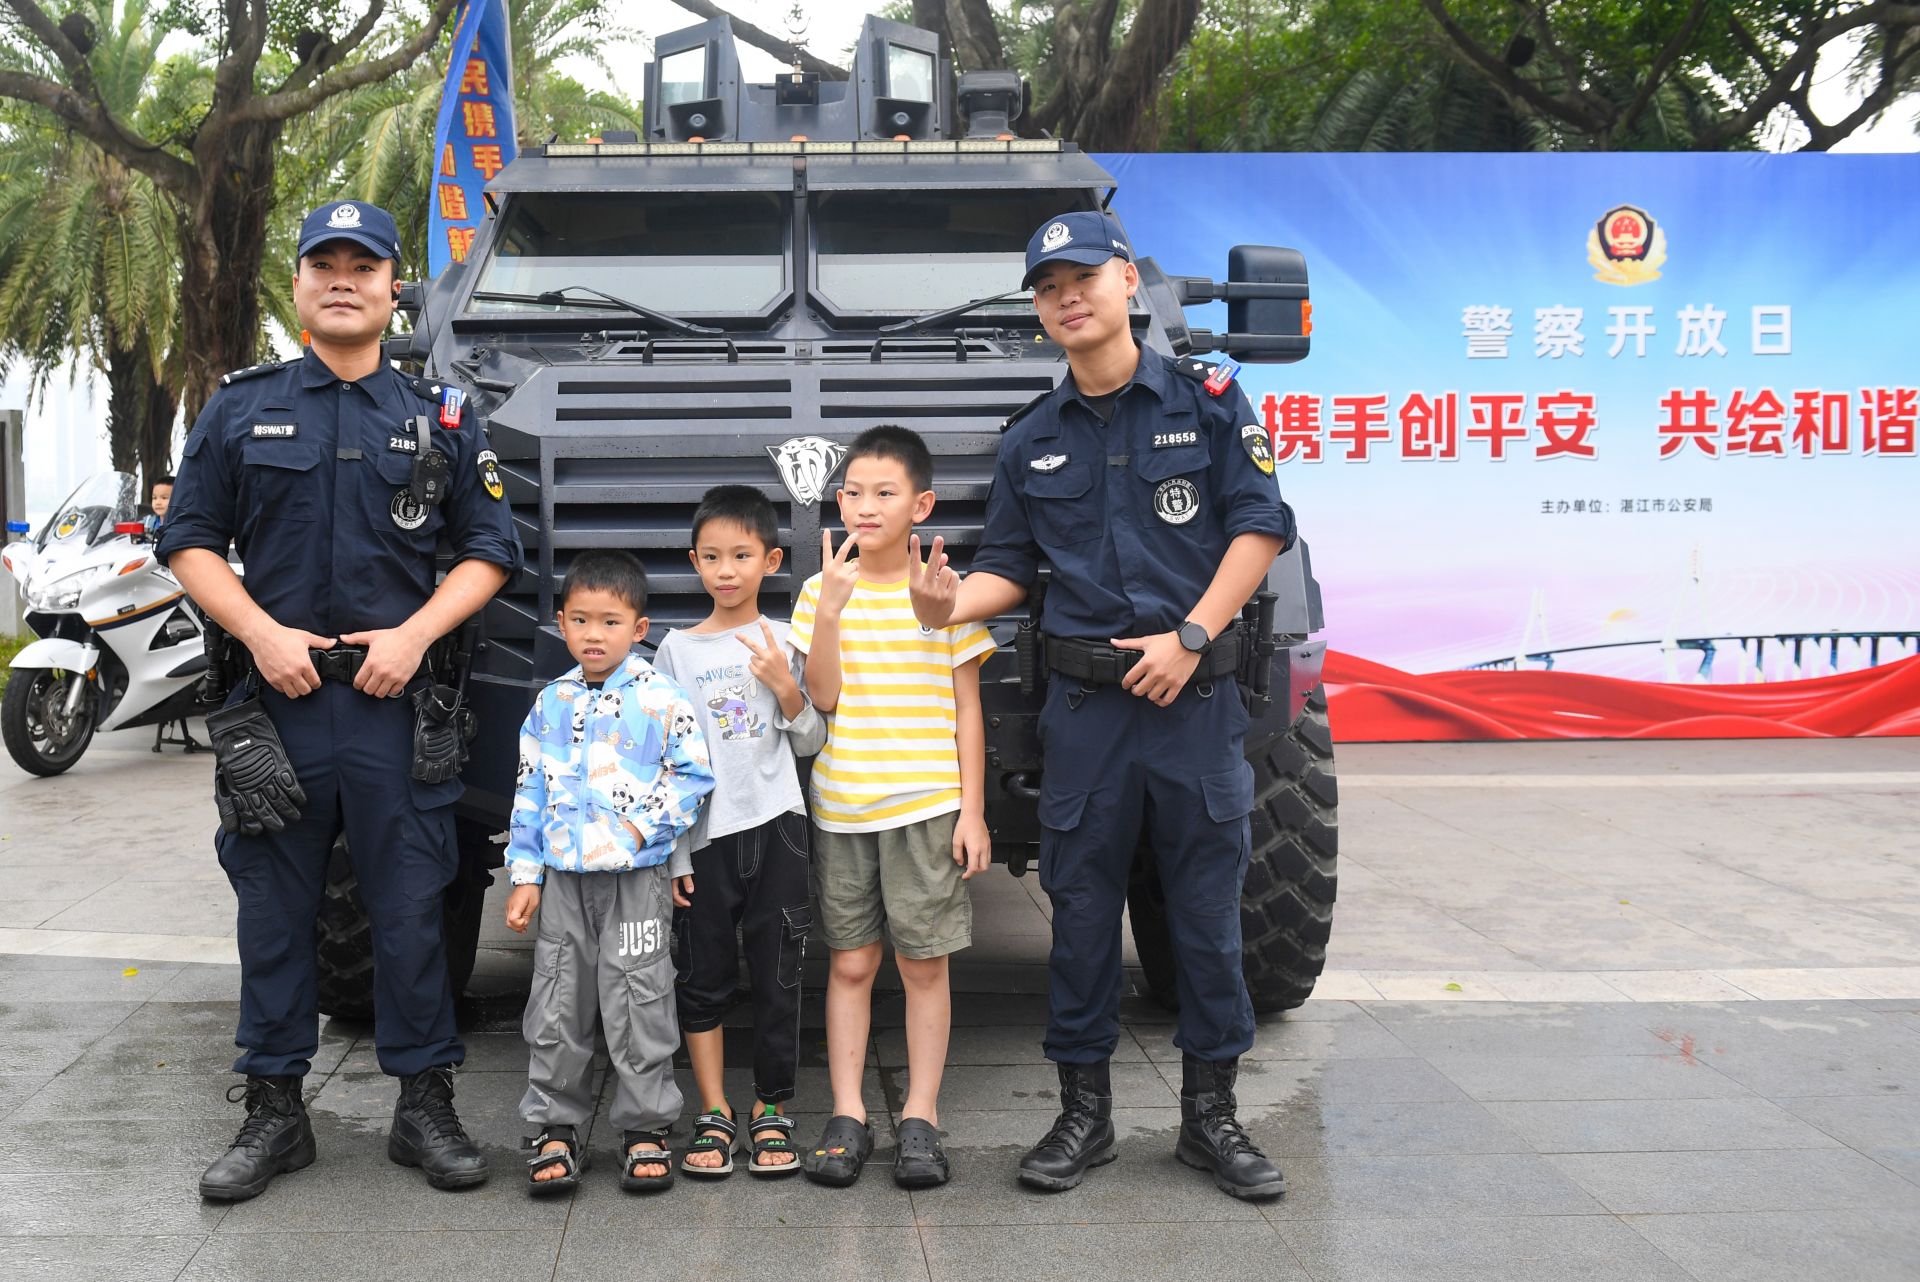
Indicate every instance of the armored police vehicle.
{"type": "Point", "coordinates": [733, 297]}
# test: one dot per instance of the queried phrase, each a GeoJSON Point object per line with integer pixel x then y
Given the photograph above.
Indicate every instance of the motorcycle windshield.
{"type": "Point", "coordinates": [89, 513]}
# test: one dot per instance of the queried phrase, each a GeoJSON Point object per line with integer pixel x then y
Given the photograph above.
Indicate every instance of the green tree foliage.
{"type": "Point", "coordinates": [376, 143]}
{"type": "Point", "coordinates": [217, 161]}
{"type": "Point", "coordinates": [88, 266]}
{"type": "Point", "coordinates": [1525, 75]}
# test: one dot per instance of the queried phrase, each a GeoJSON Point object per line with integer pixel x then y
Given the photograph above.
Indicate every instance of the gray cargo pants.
{"type": "Point", "coordinates": [602, 956]}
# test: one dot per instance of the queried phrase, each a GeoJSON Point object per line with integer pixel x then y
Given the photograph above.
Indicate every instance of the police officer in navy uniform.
{"type": "Point", "coordinates": [1152, 498]}
{"type": "Point", "coordinates": [338, 477]}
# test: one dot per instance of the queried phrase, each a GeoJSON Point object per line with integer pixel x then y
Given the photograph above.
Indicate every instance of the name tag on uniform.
{"type": "Point", "coordinates": [1169, 440]}
{"type": "Point", "coordinates": [280, 431]}
{"type": "Point", "coordinates": [404, 444]}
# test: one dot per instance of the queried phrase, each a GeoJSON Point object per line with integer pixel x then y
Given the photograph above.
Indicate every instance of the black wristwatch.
{"type": "Point", "coordinates": [1194, 637]}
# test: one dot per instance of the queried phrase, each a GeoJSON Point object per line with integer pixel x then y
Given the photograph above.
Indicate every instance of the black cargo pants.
{"type": "Point", "coordinates": [753, 883]}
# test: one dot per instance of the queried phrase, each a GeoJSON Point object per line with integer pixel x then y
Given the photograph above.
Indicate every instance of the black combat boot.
{"type": "Point", "coordinates": [427, 1133]}
{"type": "Point", "coordinates": [275, 1138]}
{"type": "Point", "coordinates": [1082, 1136]}
{"type": "Point", "coordinates": [1211, 1137]}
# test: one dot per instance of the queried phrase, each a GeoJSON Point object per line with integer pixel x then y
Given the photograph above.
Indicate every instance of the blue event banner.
{"type": "Point", "coordinates": [473, 138]}
{"type": "Point", "coordinates": [1640, 416]}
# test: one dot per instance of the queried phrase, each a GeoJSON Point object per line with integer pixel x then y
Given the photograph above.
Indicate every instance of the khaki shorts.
{"type": "Point", "coordinates": [900, 883]}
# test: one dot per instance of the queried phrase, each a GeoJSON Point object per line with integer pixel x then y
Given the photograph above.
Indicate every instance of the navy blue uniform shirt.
{"type": "Point", "coordinates": [305, 473]}
{"type": "Point", "coordinates": [1133, 514]}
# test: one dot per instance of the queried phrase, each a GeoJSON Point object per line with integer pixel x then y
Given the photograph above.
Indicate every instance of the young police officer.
{"type": "Point", "coordinates": [1155, 504]}
{"type": "Point", "coordinates": [336, 476]}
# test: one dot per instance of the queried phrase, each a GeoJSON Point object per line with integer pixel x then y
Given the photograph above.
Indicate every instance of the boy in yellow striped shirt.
{"type": "Point", "coordinates": [898, 798]}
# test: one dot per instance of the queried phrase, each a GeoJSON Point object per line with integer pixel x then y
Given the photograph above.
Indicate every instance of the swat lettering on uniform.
{"type": "Point", "coordinates": [404, 444]}
{"type": "Point", "coordinates": [1168, 440]}
{"type": "Point", "coordinates": [639, 938]}
{"type": "Point", "coordinates": [282, 431]}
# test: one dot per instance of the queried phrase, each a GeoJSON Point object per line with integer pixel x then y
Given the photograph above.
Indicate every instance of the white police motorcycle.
{"type": "Point", "coordinates": [119, 643]}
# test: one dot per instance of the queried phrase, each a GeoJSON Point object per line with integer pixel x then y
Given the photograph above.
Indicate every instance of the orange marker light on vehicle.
{"type": "Point", "coordinates": [132, 565]}
{"type": "Point", "coordinates": [1306, 316]}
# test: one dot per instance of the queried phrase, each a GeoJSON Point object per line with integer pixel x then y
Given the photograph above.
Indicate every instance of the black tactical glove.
{"type": "Point", "coordinates": [254, 786]}
{"type": "Point", "coordinates": [439, 733]}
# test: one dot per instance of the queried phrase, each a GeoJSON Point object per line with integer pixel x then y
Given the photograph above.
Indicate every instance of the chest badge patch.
{"type": "Point", "coordinates": [403, 444]}
{"type": "Point", "coordinates": [408, 512]}
{"type": "Point", "coordinates": [276, 431]}
{"type": "Point", "coordinates": [1176, 501]}
{"type": "Point", "coordinates": [1253, 439]}
{"type": "Point", "coordinates": [488, 465]}
{"type": "Point", "coordinates": [1049, 463]}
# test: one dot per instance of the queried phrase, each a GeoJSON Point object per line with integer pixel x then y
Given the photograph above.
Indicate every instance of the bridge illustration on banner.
{"type": "Point", "coordinates": [1769, 655]}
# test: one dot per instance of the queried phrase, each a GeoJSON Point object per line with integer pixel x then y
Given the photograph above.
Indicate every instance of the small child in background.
{"type": "Point", "coordinates": [613, 768]}
{"type": "Point", "coordinates": [750, 848]}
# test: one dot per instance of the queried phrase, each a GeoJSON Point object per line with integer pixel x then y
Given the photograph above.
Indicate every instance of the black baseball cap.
{"type": "Point", "coordinates": [1089, 237]}
{"type": "Point", "coordinates": [354, 220]}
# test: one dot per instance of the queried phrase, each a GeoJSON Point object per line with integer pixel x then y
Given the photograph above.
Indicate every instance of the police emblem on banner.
{"type": "Point", "coordinates": [408, 512]}
{"type": "Point", "coordinates": [807, 465]}
{"type": "Point", "coordinates": [1626, 247]}
{"type": "Point", "coordinates": [488, 465]}
{"type": "Point", "coordinates": [1176, 501]}
{"type": "Point", "coordinates": [1253, 439]}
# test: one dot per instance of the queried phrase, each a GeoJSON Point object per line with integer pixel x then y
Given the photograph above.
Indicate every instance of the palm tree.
{"type": "Point", "coordinates": [88, 252]}
{"type": "Point", "coordinates": [376, 143]}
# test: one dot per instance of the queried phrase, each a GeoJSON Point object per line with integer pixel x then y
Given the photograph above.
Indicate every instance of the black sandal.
{"type": "Point", "coordinates": [571, 1160]}
{"type": "Point", "coordinates": [705, 1143]}
{"type": "Point", "coordinates": [918, 1160]}
{"type": "Point", "coordinates": [781, 1141]}
{"type": "Point", "coordinates": [662, 1156]}
{"type": "Point", "coordinates": [843, 1149]}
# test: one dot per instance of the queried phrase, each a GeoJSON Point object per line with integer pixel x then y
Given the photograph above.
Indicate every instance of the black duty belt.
{"type": "Point", "coordinates": [1100, 664]}
{"type": "Point", "coordinates": [343, 662]}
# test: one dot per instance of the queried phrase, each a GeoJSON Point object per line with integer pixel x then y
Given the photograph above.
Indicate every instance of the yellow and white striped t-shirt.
{"type": "Point", "coordinates": [890, 758]}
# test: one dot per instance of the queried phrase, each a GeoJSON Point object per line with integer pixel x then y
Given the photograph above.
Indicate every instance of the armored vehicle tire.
{"type": "Point", "coordinates": [1286, 907]}
{"type": "Point", "coordinates": [344, 940]}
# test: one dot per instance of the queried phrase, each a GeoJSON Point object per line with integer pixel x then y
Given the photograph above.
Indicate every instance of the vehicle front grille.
{"type": "Point", "coordinates": [619, 458]}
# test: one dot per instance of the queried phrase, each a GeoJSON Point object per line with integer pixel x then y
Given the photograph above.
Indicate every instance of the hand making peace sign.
{"type": "Point", "coordinates": [837, 574]}
{"type": "Point", "coordinates": [932, 585]}
{"type": "Point", "coordinates": [769, 665]}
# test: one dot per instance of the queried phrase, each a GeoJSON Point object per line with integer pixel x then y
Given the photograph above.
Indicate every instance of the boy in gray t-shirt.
{"type": "Point", "coordinates": [750, 847]}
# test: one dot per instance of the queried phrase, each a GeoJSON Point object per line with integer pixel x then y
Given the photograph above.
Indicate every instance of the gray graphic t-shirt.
{"type": "Point", "coordinates": [753, 747]}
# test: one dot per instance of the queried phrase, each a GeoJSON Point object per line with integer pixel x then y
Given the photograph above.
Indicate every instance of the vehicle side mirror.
{"type": "Point", "coordinates": [1269, 312]}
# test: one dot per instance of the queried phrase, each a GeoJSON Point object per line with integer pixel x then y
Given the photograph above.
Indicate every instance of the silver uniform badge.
{"type": "Point", "coordinates": [807, 465]}
{"type": "Point", "coordinates": [1176, 500]}
{"type": "Point", "coordinates": [1049, 463]}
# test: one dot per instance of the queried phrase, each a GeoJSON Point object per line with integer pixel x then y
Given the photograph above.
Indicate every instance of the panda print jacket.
{"type": "Point", "coordinates": [608, 777]}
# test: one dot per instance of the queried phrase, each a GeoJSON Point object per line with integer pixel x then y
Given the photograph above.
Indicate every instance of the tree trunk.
{"type": "Point", "coordinates": [224, 238]}
{"type": "Point", "coordinates": [127, 374]}
{"type": "Point", "coordinates": [966, 29]}
{"type": "Point", "coordinates": [156, 431]}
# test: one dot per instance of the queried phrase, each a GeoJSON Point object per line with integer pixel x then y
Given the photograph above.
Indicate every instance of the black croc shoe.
{"type": "Point", "coordinates": [918, 1160]}
{"type": "Point", "coordinates": [843, 1150]}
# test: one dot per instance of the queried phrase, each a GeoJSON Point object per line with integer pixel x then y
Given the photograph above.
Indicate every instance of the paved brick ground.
{"type": "Point", "coordinates": [1623, 1083]}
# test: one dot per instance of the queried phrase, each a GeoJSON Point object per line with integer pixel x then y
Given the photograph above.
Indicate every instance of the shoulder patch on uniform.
{"type": "Point", "coordinates": [252, 371]}
{"type": "Point", "coordinates": [1024, 410]}
{"type": "Point", "coordinates": [1194, 368]}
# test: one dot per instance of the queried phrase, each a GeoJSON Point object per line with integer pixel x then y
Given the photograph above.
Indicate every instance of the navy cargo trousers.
{"type": "Point", "coordinates": [1117, 768]}
{"type": "Point", "coordinates": [352, 754]}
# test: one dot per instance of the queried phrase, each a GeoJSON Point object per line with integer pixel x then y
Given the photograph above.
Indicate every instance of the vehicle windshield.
{"type": "Point", "coordinates": [88, 514]}
{"type": "Point", "coordinates": [911, 252]}
{"type": "Point", "coordinates": [683, 253]}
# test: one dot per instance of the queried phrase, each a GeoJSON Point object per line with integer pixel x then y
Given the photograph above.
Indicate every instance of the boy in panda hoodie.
{"type": "Point", "coordinates": [613, 768]}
